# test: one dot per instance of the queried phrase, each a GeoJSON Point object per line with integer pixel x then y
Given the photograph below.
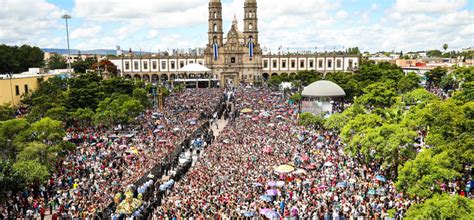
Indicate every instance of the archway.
{"type": "Point", "coordinates": [155, 78]}
{"type": "Point", "coordinates": [137, 77]}
{"type": "Point", "coordinates": [274, 74]}
{"type": "Point", "coordinates": [127, 76]}
{"type": "Point", "coordinates": [265, 76]}
{"type": "Point", "coordinates": [146, 78]}
{"type": "Point", "coordinates": [292, 74]}
{"type": "Point", "coordinates": [164, 77]}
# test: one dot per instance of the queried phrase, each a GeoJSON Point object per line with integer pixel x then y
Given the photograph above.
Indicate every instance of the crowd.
{"type": "Point", "coordinates": [264, 165]}
{"type": "Point", "coordinates": [107, 161]}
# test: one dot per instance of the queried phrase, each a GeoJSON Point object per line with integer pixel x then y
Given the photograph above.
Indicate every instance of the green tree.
{"type": "Point", "coordinates": [57, 61]}
{"type": "Point", "coordinates": [83, 115]}
{"type": "Point", "coordinates": [378, 95]}
{"type": "Point", "coordinates": [81, 66]}
{"type": "Point", "coordinates": [409, 82]}
{"type": "Point", "coordinates": [434, 53]}
{"type": "Point", "coordinates": [418, 96]}
{"type": "Point", "coordinates": [296, 97]}
{"type": "Point", "coordinates": [46, 130]}
{"type": "Point", "coordinates": [14, 59]}
{"type": "Point", "coordinates": [310, 120]}
{"type": "Point", "coordinates": [6, 112]}
{"type": "Point", "coordinates": [142, 96]}
{"type": "Point", "coordinates": [39, 152]}
{"type": "Point", "coordinates": [31, 171]}
{"type": "Point", "coordinates": [57, 113]}
{"type": "Point", "coordinates": [434, 76]}
{"type": "Point", "coordinates": [443, 206]}
{"type": "Point", "coordinates": [445, 47]}
{"type": "Point", "coordinates": [9, 180]}
{"type": "Point", "coordinates": [12, 134]}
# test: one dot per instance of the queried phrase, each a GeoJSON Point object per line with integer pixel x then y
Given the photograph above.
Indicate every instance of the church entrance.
{"type": "Point", "coordinates": [230, 79]}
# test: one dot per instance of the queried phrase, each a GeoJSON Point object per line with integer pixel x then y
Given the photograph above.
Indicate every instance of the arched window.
{"type": "Point", "coordinates": [215, 15]}
{"type": "Point", "coordinates": [215, 27]}
{"type": "Point", "coordinates": [250, 26]}
{"type": "Point", "coordinates": [250, 15]}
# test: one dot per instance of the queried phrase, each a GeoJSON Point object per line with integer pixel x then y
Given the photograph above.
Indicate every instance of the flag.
{"type": "Point", "coordinates": [251, 49]}
{"type": "Point", "coordinates": [216, 51]}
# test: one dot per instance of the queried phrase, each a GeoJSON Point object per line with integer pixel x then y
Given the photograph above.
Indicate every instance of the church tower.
{"type": "Point", "coordinates": [251, 21]}
{"type": "Point", "coordinates": [215, 23]}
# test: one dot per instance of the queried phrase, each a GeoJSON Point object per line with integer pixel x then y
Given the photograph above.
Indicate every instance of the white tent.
{"type": "Point", "coordinates": [323, 88]}
{"type": "Point", "coordinates": [194, 67]}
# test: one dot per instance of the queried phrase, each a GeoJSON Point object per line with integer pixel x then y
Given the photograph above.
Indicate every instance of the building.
{"type": "Point", "coordinates": [236, 57]}
{"type": "Point", "coordinates": [14, 87]}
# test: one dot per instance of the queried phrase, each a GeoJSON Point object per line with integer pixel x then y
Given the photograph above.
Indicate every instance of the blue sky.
{"type": "Point", "coordinates": [153, 25]}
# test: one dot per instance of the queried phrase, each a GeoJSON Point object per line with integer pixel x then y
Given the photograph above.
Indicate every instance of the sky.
{"type": "Point", "coordinates": [159, 25]}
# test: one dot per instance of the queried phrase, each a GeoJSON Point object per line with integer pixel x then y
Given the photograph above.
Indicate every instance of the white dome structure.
{"type": "Point", "coordinates": [323, 88]}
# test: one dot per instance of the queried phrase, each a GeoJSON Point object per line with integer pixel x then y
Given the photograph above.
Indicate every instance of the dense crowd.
{"type": "Point", "coordinates": [236, 177]}
{"type": "Point", "coordinates": [106, 161]}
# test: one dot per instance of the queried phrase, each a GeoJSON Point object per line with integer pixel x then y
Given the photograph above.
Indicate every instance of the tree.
{"type": "Point", "coordinates": [14, 59]}
{"type": "Point", "coordinates": [378, 95]}
{"type": "Point", "coordinates": [336, 121]}
{"type": "Point", "coordinates": [57, 61]}
{"type": "Point", "coordinates": [443, 206]}
{"type": "Point", "coordinates": [142, 96]}
{"type": "Point", "coordinates": [57, 113]}
{"type": "Point", "coordinates": [39, 152]}
{"type": "Point", "coordinates": [31, 171]}
{"type": "Point", "coordinates": [104, 65]}
{"type": "Point", "coordinates": [9, 180]}
{"type": "Point", "coordinates": [12, 135]}
{"type": "Point", "coordinates": [434, 53]}
{"type": "Point", "coordinates": [83, 115]}
{"type": "Point", "coordinates": [6, 112]}
{"type": "Point", "coordinates": [409, 82]}
{"type": "Point", "coordinates": [296, 97]}
{"type": "Point", "coordinates": [418, 96]}
{"type": "Point", "coordinates": [81, 66]}
{"type": "Point", "coordinates": [46, 130]}
{"type": "Point", "coordinates": [309, 120]}
{"type": "Point", "coordinates": [445, 47]}
{"type": "Point", "coordinates": [117, 109]}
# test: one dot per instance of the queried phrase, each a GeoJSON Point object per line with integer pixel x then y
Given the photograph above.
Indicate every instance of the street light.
{"type": "Point", "coordinates": [65, 17]}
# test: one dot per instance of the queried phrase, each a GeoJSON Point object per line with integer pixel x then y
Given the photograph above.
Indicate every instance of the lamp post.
{"type": "Point", "coordinates": [65, 17]}
{"type": "Point", "coordinates": [10, 75]}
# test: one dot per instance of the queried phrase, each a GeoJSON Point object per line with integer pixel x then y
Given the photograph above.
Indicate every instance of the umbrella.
{"type": "Point", "coordinates": [371, 192]}
{"type": "Point", "coordinates": [284, 169]}
{"type": "Point", "coordinates": [341, 184]}
{"type": "Point", "coordinates": [267, 150]}
{"type": "Point", "coordinates": [264, 211]}
{"type": "Point", "coordinates": [299, 171]}
{"type": "Point", "coordinates": [280, 183]}
{"type": "Point", "coordinates": [160, 127]}
{"type": "Point", "coordinates": [272, 192]}
{"type": "Point", "coordinates": [246, 110]}
{"type": "Point", "coordinates": [271, 125]}
{"type": "Point", "coordinates": [254, 119]}
{"type": "Point", "coordinates": [266, 198]}
{"type": "Point", "coordinates": [257, 184]}
{"type": "Point", "coordinates": [176, 129]}
{"type": "Point", "coordinates": [249, 214]}
{"type": "Point", "coordinates": [380, 178]}
{"type": "Point", "coordinates": [271, 184]}
{"type": "Point", "coordinates": [322, 187]}
{"type": "Point", "coordinates": [310, 167]}
{"type": "Point", "coordinates": [328, 164]}
{"type": "Point", "coordinates": [380, 191]}
{"type": "Point", "coordinates": [305, 158]}
{"type": "Point", "coordinates": [272, 215]}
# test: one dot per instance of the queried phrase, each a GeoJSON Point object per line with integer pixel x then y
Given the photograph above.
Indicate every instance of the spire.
{"type": "Point", "coordinates": [234, 22]}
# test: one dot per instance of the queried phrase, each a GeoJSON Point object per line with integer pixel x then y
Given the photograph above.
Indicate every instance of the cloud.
{"type": "Point", "coordinates": [86, 32]}
{"type": "Point", "coordinates": [429, 6]}
{"type": "Point", "coordinates": [341, 14]}
{"type": "Point", "coordinates": [24, 22]}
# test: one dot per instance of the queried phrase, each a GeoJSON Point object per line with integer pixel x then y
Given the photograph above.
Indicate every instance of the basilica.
{"type": "Point", "coordinates": [232, 57]}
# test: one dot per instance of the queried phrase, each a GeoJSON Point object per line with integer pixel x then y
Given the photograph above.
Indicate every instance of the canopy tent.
{"type": "Point", "coordinates": [195, 68]}
{"type": "Point", "coordinates": [323, 88]}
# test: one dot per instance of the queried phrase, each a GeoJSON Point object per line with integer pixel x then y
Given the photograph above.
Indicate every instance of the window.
{"type": "Point", "coordinates": [153, 65]}
{"type": "Point", "coordinates": [302, 64]}
{"type": "Point", "coordinates": [293, 64]}
{"type": "Point", "coordinates": [191, 62]}
{"type": "Point", "coordinates": [163, 64]}
{"type": "Point", "coordinates": [173, 65]}
{"type": "Point", "coordinates": [145, 65]}
{"type": "Point", "coordinates": [338, 63]}
{"type": "Point", "coordinates": [274, 64]}
{"type": "Point", "coordinates": [232, 60]}
{"type": "Point", "coordinates": [265, 64]}
{"type": "Point", "coordinates": [250, 26]}
{"type": "Point", "coordinates": [215, 27]}
{"type": "Point", "coordinates": [135, 65]}
{"type": "Point", "coordinates": [320, 63]}
{"type": "Point", "coordinates": [311, 64]}
{"type": "Point", "coordinates": [329, 63]}
{"type": "Point", "coordinates": [283, 64]}
{"type": "Point", "coordinates": [17, 90]}
{"type": "Point", "coordinates": [26, 89]}
{"type": "Point", "coordinates": [350, 63]}
{"type": "Point", "coordinates": [127, 65]}
{"type": "Point", "coordinates": [181, 64]}
{"type": "Point", "coordinates": [200, 62]}
{"type": "Point", "coordinates": [215, 15]}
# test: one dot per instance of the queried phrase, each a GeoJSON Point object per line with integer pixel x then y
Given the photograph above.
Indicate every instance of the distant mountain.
{"type": "Point", "coordinates": [96, 51]}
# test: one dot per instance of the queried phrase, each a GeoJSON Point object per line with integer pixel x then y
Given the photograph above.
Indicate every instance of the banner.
{"type": "Point", "coordinates": [216, 51]}
{"type": "Point", "coordinates": [251, 45]}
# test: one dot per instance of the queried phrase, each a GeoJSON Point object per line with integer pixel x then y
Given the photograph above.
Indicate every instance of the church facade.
{"type": "Point", "coordinates": [234, 57]}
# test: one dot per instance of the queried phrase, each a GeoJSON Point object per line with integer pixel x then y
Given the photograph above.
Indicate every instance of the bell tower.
{"type": "Point", "coordinates": [215, 23]}
{"type": "Point", "coordinates": [251, 21]}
